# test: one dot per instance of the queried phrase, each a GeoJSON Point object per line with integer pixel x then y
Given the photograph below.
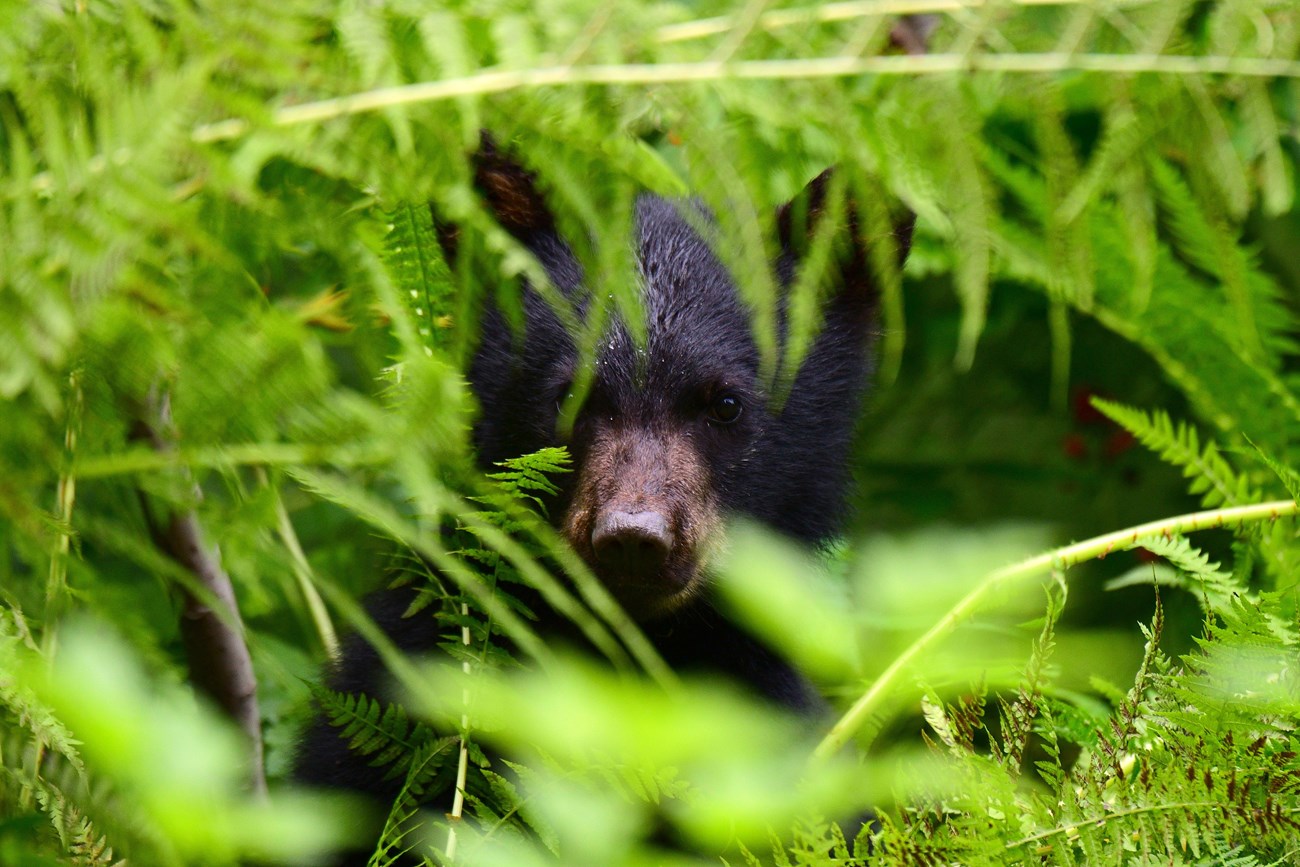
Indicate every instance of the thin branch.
{"type": "Point", "coordinates": [213, 634]}
{"type": "Point", "coordinates": [830, 13]}
{"type": "Point", "coordinates": [1121, 814]}
{"type": "Point", "coordinates": [1060, 558]}
{"type": "Point", "coordinates": [56, 585]}
{"type": "Point", "coordinates": [500, 81]}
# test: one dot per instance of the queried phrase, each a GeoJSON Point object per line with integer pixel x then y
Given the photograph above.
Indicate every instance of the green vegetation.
{"type": "Point", "coordinates": [225, 323]}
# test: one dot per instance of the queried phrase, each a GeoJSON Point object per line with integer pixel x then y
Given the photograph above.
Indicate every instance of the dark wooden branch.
{"type": "Point", "coordinates": [211, 629]}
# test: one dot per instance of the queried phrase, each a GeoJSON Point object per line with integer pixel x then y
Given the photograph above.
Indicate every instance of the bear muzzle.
{"type": "Point", "coordinates": [635, 544]}
{"type": "Point", "coordinates": [642, 512]}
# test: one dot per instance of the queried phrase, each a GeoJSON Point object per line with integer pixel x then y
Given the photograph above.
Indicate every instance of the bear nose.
{"type": "Point", "coordinates": [633, 544]}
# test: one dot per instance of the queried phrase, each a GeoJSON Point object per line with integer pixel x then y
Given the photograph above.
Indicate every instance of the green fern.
{"type": "Point", "coordinates": [382, 733]}
{"type": "Point", "coordinates": [1218, 484]}
{"type": "Point", "coordinates": [20, 703]}
{"type": "Point", "coordinates": [1193, 571]}
{"type": "Point", "coordinates": [1215, 759]}
{"type": "Point", "coordinates": [205, 195]}
{"type": "Point", "coordinates": [415, 264]}
{"type": "Point", "coordinates": [1183, 324]}
{"type": "Point", "coordinates": [1212, 477]}
{"type": "Point", "coordinates": [430, 769]}
{"type": "Point", "coordinates": [528, 477]}
{"type": "Point", "coordinates": [1019, 717]}
{"type": "Point", "coordinates": [385, 734]}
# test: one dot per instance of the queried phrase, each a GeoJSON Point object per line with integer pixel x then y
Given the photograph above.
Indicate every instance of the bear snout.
{"type": "Point", "coordinates": [634, 544]}
{"type": "Point", "coordinates": [641, 514]}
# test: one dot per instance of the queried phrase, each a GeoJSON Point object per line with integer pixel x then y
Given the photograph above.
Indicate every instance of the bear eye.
{"type": "Point", "coordinates": [725, 409]}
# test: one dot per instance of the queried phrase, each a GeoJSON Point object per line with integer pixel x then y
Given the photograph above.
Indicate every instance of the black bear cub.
{"type": "Point", "coordinates": [673, 436]}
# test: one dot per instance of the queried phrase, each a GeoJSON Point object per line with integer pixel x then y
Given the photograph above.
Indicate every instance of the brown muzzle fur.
{"type": "Point", "coordinates": [643, 515]}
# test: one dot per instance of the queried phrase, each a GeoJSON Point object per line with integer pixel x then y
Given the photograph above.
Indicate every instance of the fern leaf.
{"type": "Point", "coordinates": [427, 763]}
{"type": "Point", "coordinates": [1018, 716]}
{"type": "Point", "coordinates": [415, 264]}
{"type": "Point", "coordinates": [1193, 572]}
{"type": "Point", "coordinates": [936, 717]}
{"type": "Point", "coordinates": [382, 732]}
{"type": "Point", "coordinates": [20, 701]}
{"type": "Point", "coordinates": [1278, 184]}
{"type": "Point", "coordinates": [1212, 477]}
{"type": "Point", "coordinates": [1290, 478]}
{"type": "Point", "coordinates": [528, 477]}
{"type": "Point", "coordinates": [363, 33]}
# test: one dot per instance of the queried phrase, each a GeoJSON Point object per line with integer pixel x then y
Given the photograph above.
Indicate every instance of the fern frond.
{"type": "Point", "coordinates": [420, 275]}
{"type": "Point", "coordinates": [429, 770]}
{"type": "Point", "coordinates": [60, 794]}
{"type": "Point", "coordinates": [1217, 482]}
{"type": "Point", "coordinates": [363, 33]}
{"type": "Point", "coordinates": [384, 733]}
{"type": "Point", "coordinates": [1173, 769]}
{"type": "Point", "coordinates": [1193, 571]}
{"type": "Point", "coordinates": [1226, 355]}
{"type": "Point", "coordinates": [1289, 478]}
{"type": "Point", "coordinates": [1259, 321]}
{"type": "Point", "coordinates": [89, 850]}
{"type": "Point", "coordinates": [1277, 191]}
{"type": "Point", "coordinates": [1018, 717]}
{"type": "Point", "coordinates": [528, 477]}
{"type": "Point", "coordinates": [1113, 743]}
{"type": "Point", "coordinates": [1212, 477]}
{"type": "Point", "coordinates": [18, 700]}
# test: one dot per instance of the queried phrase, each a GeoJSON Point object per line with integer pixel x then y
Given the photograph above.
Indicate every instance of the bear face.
{"type": "Point", "coordinates": [680, 431]}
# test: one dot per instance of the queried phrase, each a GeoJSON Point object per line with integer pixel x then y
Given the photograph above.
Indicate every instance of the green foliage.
{"type": "Point", "coordinates": [221, 207]}
{"type": "Point", "coordinates": [157, 778]}
{"type": "Point", "coordinates": [1211, 475]}
{"type": "Point", "coordinates": [382, 733]}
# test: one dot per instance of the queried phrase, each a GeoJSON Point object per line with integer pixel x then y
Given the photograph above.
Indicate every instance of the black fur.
{"type": "Point", "coordinates": [785, 467]}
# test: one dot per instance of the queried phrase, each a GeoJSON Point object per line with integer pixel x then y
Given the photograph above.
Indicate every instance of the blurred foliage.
{"type": "Point", "coordinates": [225, 202]}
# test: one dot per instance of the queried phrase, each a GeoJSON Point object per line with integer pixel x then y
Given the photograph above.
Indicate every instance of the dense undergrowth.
{"type": "Point", "coordinates": [223, 312]}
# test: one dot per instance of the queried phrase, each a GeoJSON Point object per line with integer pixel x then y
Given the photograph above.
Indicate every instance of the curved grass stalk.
{"type": "Point", "coordinates": [231, 455]}
{"type": "Point", "coordinates": [499, 81]}
{"type": "Point", "coordinates": [1059, 558]}
{"type": "Point", "coordinates": [1123, 814]}
{"type": "Point", "coordinates": [56, 585]}
{"type": "Point", "coordinates": [829, 13]}
{"type": "Point", "coordinates": [302, 571]}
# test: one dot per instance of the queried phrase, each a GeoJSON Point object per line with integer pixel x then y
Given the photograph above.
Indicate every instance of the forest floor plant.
{"type": "Point", "coordinates": [223, 206]}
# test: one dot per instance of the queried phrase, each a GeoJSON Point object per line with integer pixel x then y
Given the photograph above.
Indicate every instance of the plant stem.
{"type": "Point", "coordinates": [827, 13]}
{"type": "Point", "coordinates": [462, 764]}
{"type": "Point", "coordinates": [56, 586]}
{"type": "Point", "coordinates": [231, 455]}
{"type": "Point", "coordinates": [1059, 558]}
{"type": "Point", "coordinates": [498, 81]}
{"type": "Point", "coordinates": [1120, 814]}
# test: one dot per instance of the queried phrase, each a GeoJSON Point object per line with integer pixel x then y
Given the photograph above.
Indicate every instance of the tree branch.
{"type": "Point", "coordinates": [220, 665]}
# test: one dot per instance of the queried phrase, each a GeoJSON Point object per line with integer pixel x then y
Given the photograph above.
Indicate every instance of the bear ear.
{"type": "Point", "coordinates": [798, 219]}
{"type": "Point", "coordinates": [509, 191]}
